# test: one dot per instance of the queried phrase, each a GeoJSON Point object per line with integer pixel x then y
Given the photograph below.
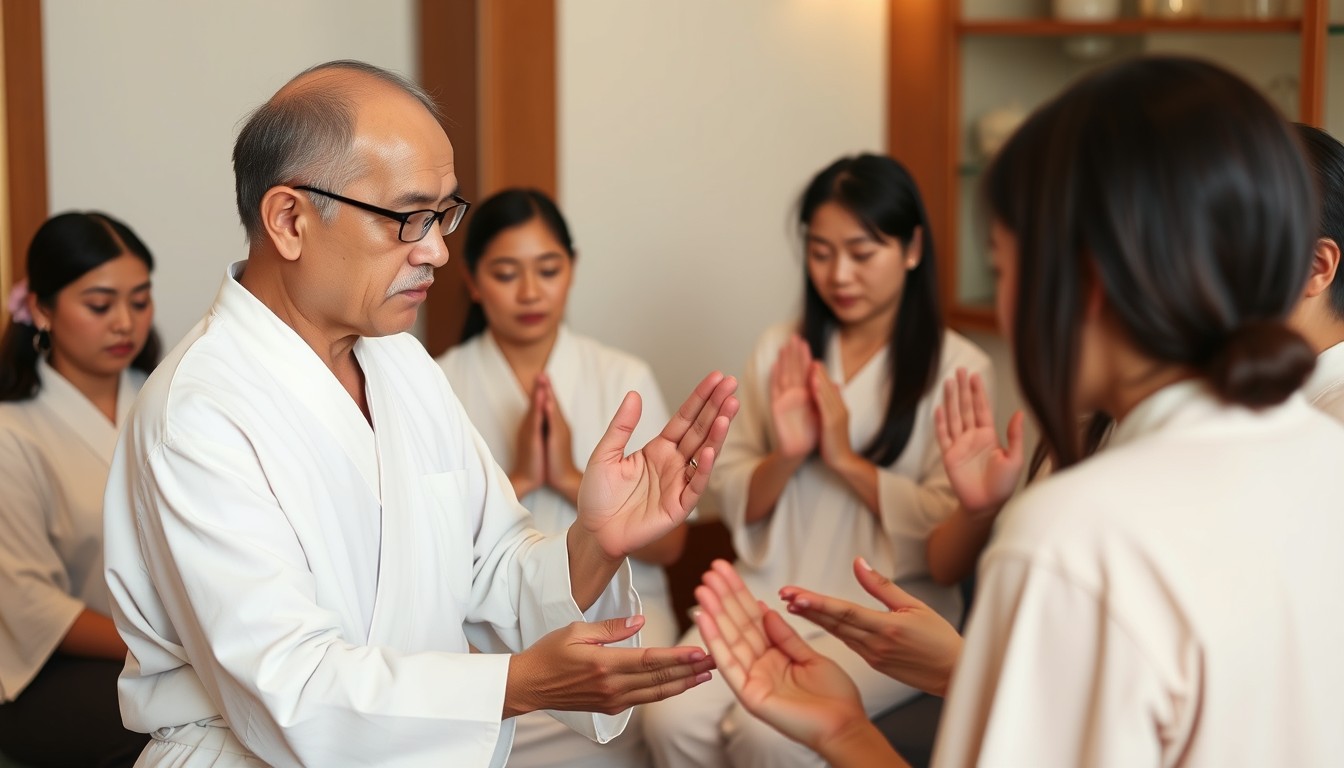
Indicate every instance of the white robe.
{"type": "Point", "coordinates": [1170, 601]}
{"type": "Point", "coordinates": [55, 450]}
{"type": "Point", "coordinates": [296, 585]}
{"type": "Point", "coordinates": [590, 380]}
{"type": "Point", "coordinates": [1325, 388]}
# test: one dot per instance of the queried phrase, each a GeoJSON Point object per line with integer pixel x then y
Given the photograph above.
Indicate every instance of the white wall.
{"type": "Point", "coordinates": [687, 131]}
{"type": "Point", "coordinates": [144, 99]}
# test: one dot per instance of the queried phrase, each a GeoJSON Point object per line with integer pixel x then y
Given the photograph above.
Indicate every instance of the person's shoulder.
{"type": "Point", "coordinates": [598, 356]}
{"type": "Point", "coordinates": [461, 359]}
{"type": "Point", "coordinates": [961, 352]}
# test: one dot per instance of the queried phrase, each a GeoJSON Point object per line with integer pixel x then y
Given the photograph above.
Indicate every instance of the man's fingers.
{"type": "Point", "coordinates": [609, 631]}
{"type": "Point", "coordinates": [611, 448]}
{"type": "Point", "coordinates": [690, 409]}
{"type": "Point", "coordinates": [698, 433]}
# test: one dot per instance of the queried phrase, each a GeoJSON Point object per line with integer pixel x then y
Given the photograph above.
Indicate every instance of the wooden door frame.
{"type": "Point", "coordinates": [25, 134]}
{"type": "Point", "coordinates": [491, 66]}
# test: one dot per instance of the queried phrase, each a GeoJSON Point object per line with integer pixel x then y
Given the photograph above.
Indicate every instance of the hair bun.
{"type": "Point", "coordinates": [1261, 364]}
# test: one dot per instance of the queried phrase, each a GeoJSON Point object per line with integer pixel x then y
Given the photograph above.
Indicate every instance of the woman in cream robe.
{"type": "Point", "coordinates": [520, 260]}
{"type": "Point", "coordinates": [869, 272]}
{"type": "Point", "coordinates": [74, 356]}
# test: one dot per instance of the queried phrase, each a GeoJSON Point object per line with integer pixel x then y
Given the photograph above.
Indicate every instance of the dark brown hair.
{"type": "Point", "coordinates": [1183, 192]}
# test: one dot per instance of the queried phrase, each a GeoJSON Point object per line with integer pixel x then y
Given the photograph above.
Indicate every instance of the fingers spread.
{"type": "Point", "coordinates": [984, 415]}
{"type": "Point", "coordinates": [952, 407]}
{"type": "Point", "coordinates": [879, 586]}
{"type": "Point", "coordinates": [699, 430]}
{"type": "Point", "coordinates": [782, 636]}
{"type": "Point", "coordinates": [690, 409]}
{"type": "Point", "coordinates": [965, 399]}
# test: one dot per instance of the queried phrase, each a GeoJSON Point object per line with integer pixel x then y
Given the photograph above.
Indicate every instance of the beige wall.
{"type": "Point", "coordinates": [144, 98]}
{"type": "Point", "coordinates": [687, 131]}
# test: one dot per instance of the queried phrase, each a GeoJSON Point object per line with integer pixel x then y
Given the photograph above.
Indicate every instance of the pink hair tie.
{"type": "Point", "coordinates": [18, 303]}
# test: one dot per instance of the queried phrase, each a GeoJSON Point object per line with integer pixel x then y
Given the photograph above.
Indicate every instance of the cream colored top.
{"type": "Point", "coordinates": [55, 450]}
{"type": "Point", "coordinates": [1325, 388]}
{"type": "Point", "coordinates": [1170, 601]}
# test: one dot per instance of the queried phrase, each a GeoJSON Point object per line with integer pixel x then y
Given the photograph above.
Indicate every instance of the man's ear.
{"type": "Point", "coordinates": [1324, 267]}
{"type": "Point", "coordinates": [285, 214]}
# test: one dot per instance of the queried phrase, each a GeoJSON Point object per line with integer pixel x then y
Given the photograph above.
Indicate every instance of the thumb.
{"type": "Point", "coordinates": [882, 588]}
{"type": "Point", "coordinates": [783, 637]}
{"type": "Point", "coordinates": [611, 448]}
{"type": "Point", "coordinates": [609, 631]}
{"type": "Point", "coordinates": [1015, 438]}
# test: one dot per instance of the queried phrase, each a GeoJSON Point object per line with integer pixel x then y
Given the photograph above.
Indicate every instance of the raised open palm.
{"type": "Point", "coordinates": [792, 409]}
{"type": "Point", "coordinates": [627, 502]}
{"type": "Point", "coordinates": [775, 674]}
{"type": "Point", "coordinates": [983, 473]}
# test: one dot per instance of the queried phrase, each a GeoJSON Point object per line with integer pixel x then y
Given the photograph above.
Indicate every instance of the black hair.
{"type": "Point", "coordinates": [1325, 157]}
{"type": "Point", "coordinates": [883, 196]}
{"type": "Point", "coordinates": [65, 248]}
{"type": "Point", "coordinates": [505, 210]}
{"type": "Point", "coordinates": [1180, 191]}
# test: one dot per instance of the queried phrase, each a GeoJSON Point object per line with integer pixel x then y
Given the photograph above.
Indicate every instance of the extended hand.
{"type": "Point", "coordinates": [570, 669]}
{"type": "Point", "coordinates": [791, 408]}
{"type": "Point", "coordinates": [776, 675]}
{"type": "Point", "coordinates": [529, 459]}
{"type": "Point", "coordinates": [983, 473]}
{"type": "Point", "coordinates": [626, 502]}
{"type": "Point", "coordinates": [909, 642]}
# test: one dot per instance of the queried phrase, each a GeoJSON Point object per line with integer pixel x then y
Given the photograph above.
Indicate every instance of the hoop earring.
{"type": "Point", "coordinates": [42, 341]}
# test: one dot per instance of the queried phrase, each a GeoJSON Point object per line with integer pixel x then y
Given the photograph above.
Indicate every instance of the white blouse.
{"type": "Point", "coordinates": [55, 450]}
{"type": "Point", "coordinates": [1325, 388]}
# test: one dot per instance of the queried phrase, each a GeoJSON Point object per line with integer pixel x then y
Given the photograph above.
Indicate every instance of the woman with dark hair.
{"type": "Point", "coordinates": [541, 396]}
{"type": "Point", "coordinates": [1163, 601]}
{"type": "Point", "coordinates": [78, 346]}
{"type": "Point", "coordinates": [833, 454]}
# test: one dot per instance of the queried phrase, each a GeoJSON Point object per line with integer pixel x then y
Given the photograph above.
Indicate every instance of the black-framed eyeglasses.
{"type": "Point", "coordinates": [414, 224]}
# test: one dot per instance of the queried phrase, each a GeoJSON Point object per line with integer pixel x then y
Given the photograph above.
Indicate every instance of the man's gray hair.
{"type": "Point", "coordinates": [305, 137]}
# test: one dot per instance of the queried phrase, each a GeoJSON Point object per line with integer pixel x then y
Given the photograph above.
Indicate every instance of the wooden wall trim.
{"type": "Point", "coordinates": [490, 64]}
{"type": "Point", "coordinates": [25, 127]}
{"type": "Point", "coordinates": [921, 71]}
{"type": "Point", "coordinates": [449, 71]}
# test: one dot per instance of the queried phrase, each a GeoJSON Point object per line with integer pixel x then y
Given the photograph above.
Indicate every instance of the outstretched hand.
{"type": "Point", "coordinates": [909, 642]}
{"type": "Point", "coordinates": [777, 676]}
{"type": "Point", "coordinates": [983, 473]}
{"type": "Point", "coordinates": [570, 669]}
{"type": "Point", "coordinates": [627, 502]}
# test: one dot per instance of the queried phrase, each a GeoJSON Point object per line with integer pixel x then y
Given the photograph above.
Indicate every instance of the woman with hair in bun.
{"type": "Point", "coordinates": [79, 344]}
{"type": "Point", "coordinates": [1164, 601]}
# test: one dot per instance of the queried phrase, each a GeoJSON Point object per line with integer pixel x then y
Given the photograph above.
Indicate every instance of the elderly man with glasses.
{"type": "Point", "coordinates": [312, 556]}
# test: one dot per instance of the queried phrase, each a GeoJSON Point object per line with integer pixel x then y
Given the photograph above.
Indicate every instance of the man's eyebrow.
{"type": "Point", "coordinates": [408, 199]}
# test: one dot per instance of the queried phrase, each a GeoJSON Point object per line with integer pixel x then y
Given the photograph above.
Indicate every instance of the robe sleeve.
{"type": "Point", "coordinates": [36, 608]}
{"type": "Point", "coordinates": [521, 579]}
{"type": "Point", "coordinates": [1048, 677]}
{"type": "Point", "coordinates": [910, 508]}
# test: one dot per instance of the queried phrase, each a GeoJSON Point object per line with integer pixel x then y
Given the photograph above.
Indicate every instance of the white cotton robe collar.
{"type": "Point", "coordinates": [70, 406]}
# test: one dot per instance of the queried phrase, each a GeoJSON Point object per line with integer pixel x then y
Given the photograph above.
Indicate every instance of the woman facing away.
{"type": "Point", "coordinates": [834, 454]}
{"type": "Point", "coordinates": [79, 345]}
{"type": "Point", "coordinates": [541, 397]}
{"type": "Point", "coordinates": [1167, 600]}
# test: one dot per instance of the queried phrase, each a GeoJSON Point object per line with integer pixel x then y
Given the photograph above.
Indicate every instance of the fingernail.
{"type": "Point", "coordinates": [697, 655]}
{"type": "Point", "coordinates": [865, 565]}
{"type": "Point", "coordinates": [801, 602]}
{"type": "Point", "coordinates": [632, 621]}
{"type": "Point", "coordinates": [703, 677]}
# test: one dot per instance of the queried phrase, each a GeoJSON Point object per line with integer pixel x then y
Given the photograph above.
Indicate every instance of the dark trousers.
{"type": "Point", "coordinates": [68, 718]}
